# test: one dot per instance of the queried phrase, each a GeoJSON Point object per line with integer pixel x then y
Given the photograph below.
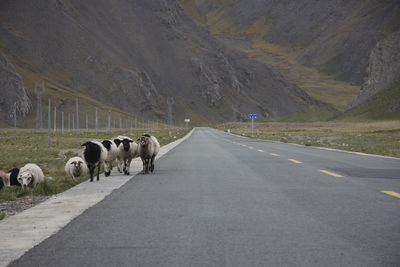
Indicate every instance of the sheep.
{"type": "Point", "coordinates": [148, 149]}
{"type": "Point", "coordinates": [117, 142]}
{"type": "Point", "coordinates": [30, 175]}
{"type": "Point", "coordinates": [5, 179]}
{"type": "Point", "coordinates": [10, 178]}
{"type": "Point", "coordinates": [75, 167]}
{"type": "Point", "coordinates": [94, 154]}
{"type": "Point", "coordinates": [112, 152]}
{"type": "Point", "coordinates": [127, 150]}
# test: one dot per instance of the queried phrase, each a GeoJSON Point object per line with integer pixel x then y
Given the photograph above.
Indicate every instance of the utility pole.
{"type": "Point", "coordinates": [97, 123]}
{"type": "Point", "coordinates": [39, 90]}
{"type": "Point", "coordinates": [170, 102]}
{"type": "Point", "coordinates": [15, 117]}
{"type": "Point", "coordinates": [77, 117]}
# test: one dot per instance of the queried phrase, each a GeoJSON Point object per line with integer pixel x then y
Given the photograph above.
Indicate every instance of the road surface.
{"type": "Point", "coordinates": [223, 200]}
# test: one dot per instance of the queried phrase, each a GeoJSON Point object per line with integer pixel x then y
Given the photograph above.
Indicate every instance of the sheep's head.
{"type": "Point", "coordinates": [126, 144]}
{"type": "Point", "coordinates": [25, 179]}
{"type": "Point", "coordinates": [144, 140]}
{"type": "Point", "coordinates": [77, 164]}
{"type": "Point", "coordinates": [117, 141]}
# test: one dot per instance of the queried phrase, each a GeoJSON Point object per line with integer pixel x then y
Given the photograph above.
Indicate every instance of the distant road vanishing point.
{"type": "Point", "coordinates": [224, 200]}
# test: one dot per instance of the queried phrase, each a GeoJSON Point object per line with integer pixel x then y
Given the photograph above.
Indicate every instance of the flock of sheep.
{"type": "Point", "coordinates": [121, 149]}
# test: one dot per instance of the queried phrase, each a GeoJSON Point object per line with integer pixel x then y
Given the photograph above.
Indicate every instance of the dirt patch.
{"type": "Point", "coordinates": [16, 206]}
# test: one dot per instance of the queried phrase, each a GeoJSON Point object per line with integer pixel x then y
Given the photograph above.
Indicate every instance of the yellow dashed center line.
{"type": "Point", "coordinates": [250, 147]}
{"type": "Point", "coordinates": [331, 173]}
{"type": "Point", "coordinates": [244, 145]}
{"type": "Point", "coordinates": [391, 193]}
{"type": "Point", "coordinates": [295, 161]}
{"type": "Point", "coordinates": [275, 155]}
{"type": "Point", "coordinates": [260, 150]}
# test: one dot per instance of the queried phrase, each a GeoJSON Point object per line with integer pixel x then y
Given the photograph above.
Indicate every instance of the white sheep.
{"type": "Point", "coordinates": [94, 155]}
{"type": "Point", "coordinates": [112, 152]}
{"type": "Point", "coordinates": [30, 175]}
{"type": "Point", "coordinates": [127, 150]}
{"type": "Point", "coordinates": [148, 149]}
{"type": "Point", "coordinates": [117, 141]}
{"type": "Point", "coordinates": [75, 167]}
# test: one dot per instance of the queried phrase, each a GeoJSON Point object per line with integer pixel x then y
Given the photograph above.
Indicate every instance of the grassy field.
{"type": "Point", "coordinates": [378, 137]}
{"type": "Point", "coordinates": [30, 146]}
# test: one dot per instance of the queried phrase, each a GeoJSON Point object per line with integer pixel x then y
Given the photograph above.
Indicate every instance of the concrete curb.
{"type": "Point", "coordinates": [23, 231]}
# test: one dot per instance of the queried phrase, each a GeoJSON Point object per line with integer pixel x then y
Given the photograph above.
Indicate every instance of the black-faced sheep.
{"type": "Point", "coordinates": [94, 154]}
{"type": "Point", "coordinates": [127, 150]}
{"type": "Point", "coordinates": [112, 152]}
{"type": "Point", "coordinates": [75, 167]}
{"type": "Point", "coordinates": [30, 175]}
{"type": "Point", "coordinates": [117, 141]}
{"type": "Point", "coordinates": [148, 149]}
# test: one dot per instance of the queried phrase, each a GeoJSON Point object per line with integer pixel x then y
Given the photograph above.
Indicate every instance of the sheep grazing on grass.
{"type": "Point", "coordinates": [112, 153]}
{"type": "Point", "coordinates": [148, 148]}
{"type": "Point", "coordinates": [10, 178]}
{"type": "Point", "coordinates": [127, 150]}
{"type": "Point", "coordinates": [30, 175]}
{"type": "Point", "coordinates": [75, 167]}
{"type": "Point", "coordinates": [94, 154]}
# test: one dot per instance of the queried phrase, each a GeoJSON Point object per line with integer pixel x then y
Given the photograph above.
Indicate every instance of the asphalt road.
{"type": "Point", "coordinates": [223, 200]}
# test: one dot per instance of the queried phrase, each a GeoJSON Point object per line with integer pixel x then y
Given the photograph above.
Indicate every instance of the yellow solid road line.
{"type": "Point", "coordinates": [295, 161]}
{"type": "Point", "coordinates": [260, 150]}
{"type": "Point", "coordinates": [275, 155]}
{"type": "Point", "coordinates": [394, 194]}
{"type": "Point", "coordinates": [331, 173]}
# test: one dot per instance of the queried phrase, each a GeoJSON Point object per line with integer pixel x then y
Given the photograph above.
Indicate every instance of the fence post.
{"type": "Point", "coordinates": [55, 119]}
{"type": "Point", "coordinates": [15, 117]}
{"type": "Point", "coordinates": [62, 122]}
{"type": "Point", "coordinates": [87, 126]}
{"type": "Point", "coordinates": [49, 125]}
{"type": "Point", "coordinates": [109, 121]}
{"type": "Point", "coordinates": [69, 121]}
{"type": "Point", "coordinates": [73, 122]}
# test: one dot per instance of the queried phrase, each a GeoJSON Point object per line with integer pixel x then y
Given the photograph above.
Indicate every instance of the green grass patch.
{"type": "Point", "coordinates": [374, 137]}
{"type": "Point", "coordinates": [384, 105]}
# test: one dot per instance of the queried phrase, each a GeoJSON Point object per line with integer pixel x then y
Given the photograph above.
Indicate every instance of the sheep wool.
{"type": "Point", "coordinates": [30, 175]}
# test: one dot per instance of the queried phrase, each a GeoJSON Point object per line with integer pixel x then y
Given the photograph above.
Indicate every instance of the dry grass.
{"type": "Point", "coordinates": [378, 137]}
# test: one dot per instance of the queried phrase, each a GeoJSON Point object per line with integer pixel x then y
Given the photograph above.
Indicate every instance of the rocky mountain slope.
{"type": "Point", "coordinates": [133, 55]}
{"type": "Point", "coordinates": [328, 48]}
{"type": "Point", "coordinates": [219, 60]}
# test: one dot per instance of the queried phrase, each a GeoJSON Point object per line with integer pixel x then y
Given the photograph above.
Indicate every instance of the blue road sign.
{"type": "Point", "coordinates": [252, 116]}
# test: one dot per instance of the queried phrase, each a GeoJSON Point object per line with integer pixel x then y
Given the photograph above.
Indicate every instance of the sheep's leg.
{"type": "Point", "coordinates": [152, 163]}
{"type": "Point", "coordinates": [98, 171]}
{"type": "Point", "coordinates": [128, 166]}
{"type": "Point", "coordinates": [147, 165]}
{"type": "Point", "coordinates": [144, 165]}
{"type": "Point", "coordinates": [119, 165]}
{"type": "Point", "coordinates": [91, 170]}
{"type": "Point", "coordinates": [107, 168]}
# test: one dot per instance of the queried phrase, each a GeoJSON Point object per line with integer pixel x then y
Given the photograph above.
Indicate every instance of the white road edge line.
{"type": "Point", "coordinates": [23, 231]}
{"type": "Point", "coordinates": [316, 147]}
